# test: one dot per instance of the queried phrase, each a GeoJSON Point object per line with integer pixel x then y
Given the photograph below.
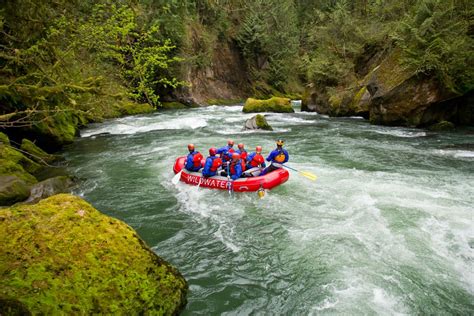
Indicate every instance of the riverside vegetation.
{"type": "Point", "coordinates": [65, 64]}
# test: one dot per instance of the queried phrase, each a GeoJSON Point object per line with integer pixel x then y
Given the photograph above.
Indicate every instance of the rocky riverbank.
{"type": "Point", "coordinates": [61, 255]}
{"type": "Point", "coordinates": [386, 93]}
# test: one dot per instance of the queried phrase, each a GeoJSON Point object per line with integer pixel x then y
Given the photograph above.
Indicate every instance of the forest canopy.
{"type": "Point", "coordinates": [92, 56]}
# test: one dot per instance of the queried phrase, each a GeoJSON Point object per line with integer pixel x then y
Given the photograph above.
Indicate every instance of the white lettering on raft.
{"type": "Point", "coordinates": [205, 182]}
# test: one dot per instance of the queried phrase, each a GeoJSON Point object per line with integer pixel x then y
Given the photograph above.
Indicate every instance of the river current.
{"type": "Point", "coordinates": [387, 228]}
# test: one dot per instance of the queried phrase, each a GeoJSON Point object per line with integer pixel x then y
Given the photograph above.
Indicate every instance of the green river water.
{"type": "Point", "coordinates": [386, 229]}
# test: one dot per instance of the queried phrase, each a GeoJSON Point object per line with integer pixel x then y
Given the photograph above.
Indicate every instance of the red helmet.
{"type": "Point", "coordinates": [235, 156]}
{"type": "Point", "coordinates": [212, 151]}
{"type": "Point", "coordinates": [258, 149]}
{"type": "Point", "coordinates": [241, 146]}
{"type": "Point", "coordinates": [230, 142]}
{"type": "Point", "coordinates": [191, 146]}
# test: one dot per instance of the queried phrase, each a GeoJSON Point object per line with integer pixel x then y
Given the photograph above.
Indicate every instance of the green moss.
{"type": "Point", "coordinates": [60, 128]}
{"type": "Point", "coordinates": [335, 102]}
{"type": "Point", "coordinates": [173, 105]}
{"type": "Point", "coordinates": [389, 73]}
{"type": "Point", "coordinates": [8, 153]}
{"type": "Point", "coordinates": [274, 104]}
{"type": "Point", "coordinates": [61, 256]}
{"type": "Point", "coordinates": [9, 167]}
{"type": "Point", "coordinates": [4, 139]}
{"type": "Point", "coordinates": [12, 190]}
{"type": "Point", "coordinates": [262, 123]}
{"type": "Point", "coordinates": [442, 126]}
{"type": "Point", "coordinates": [224, 101]}
{"type": "Point", "coordinates": [35, 153]}
{"type": "Point", "coordinates": [132, 108]}
{"type": "Point", "coordinates": [358, 105]}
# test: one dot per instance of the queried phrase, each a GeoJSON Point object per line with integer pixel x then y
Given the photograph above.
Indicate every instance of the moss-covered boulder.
{"type": "Point", "coordinates": [257, 122]}
{"type": "Point", "coordinates": [442, 126]}
{"type": "Point", "coordinates": [12, 155]}
{"type": "Point", "coordinates": [56, 130]}
{"type": "Point", "coordinates": [35, 153]}
{"type": "Point", "coordinates": [62, 256]}
{"type": "Point", "coordinates": [274, 104]}
{"type": "Point", "coordinates": [13, 189]}
{"type": "Point", "coordinates": [174, 105]}
{"type": "Point", "coordinates": [15, 173]}
{"type": "Point", "coordinates": [132, 108]}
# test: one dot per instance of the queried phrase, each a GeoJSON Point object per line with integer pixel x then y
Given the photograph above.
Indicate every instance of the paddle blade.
{"type": "Point", "coordinates": [308, 175]}
{"type": "Point", "coordinates": [176, 178]}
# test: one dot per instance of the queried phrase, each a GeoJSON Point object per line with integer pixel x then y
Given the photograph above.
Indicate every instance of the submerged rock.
{"type": "Point", "coordinates": [49, 187]}
{"type": "Point", "coordinates": [274, 104]}
{"type": "Point", "coordinates": [62, 256]}
{"type": "Point", "coordinates": [257, 122]}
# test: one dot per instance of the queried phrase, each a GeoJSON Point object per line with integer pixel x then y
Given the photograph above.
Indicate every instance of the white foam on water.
{"type": "Point", "coordinates": [226, 238]}
{"type": "Point", "coordinates": [228, 130]}
{"type": "Point", "coordinates": [327, 303]}
{"type": "Point", "coordinates": [222, 108]}
{"type": "Point", "coordinates": [272, 119]}
{"type": "Point", "coordinates": [385, 304]}
{"type": "Point", "coordinates": [451, 243]}
{"type": "Point", "coordinates": [401, 133]}
{"type": "Point", "coordinates": [122, 128]}
{"type": "Point", "coordinates": [455, 153]}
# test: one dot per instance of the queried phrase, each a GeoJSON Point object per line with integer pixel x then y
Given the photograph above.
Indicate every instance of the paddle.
{"type": "Point", "coordinates": [306, 174]}
{"type": "Point", "coordinates": [229, 182]}
{"type": "Point", "coordinates": [176, 178]}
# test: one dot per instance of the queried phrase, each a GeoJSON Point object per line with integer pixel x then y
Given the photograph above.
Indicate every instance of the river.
{"type": "Point", "coordinates": [387, 228]}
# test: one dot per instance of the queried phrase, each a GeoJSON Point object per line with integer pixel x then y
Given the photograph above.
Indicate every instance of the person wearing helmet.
{"type": "Point", "coordinates": [277, 157]}
{"type": "Point", "coordinates": [226, 151]}
{"type": "Point", "coordinates": [256, 159]}
{"type": "Point", "coordinates": [193, 161]}
{"type": "Point", "coordinates": [241, 151]}
{"type": "Point", "coordinates": [235, 167]}
{"type": "Point", "coordinates": [213, 162]}
{"type": "Point", "coordinates": [243, 155]}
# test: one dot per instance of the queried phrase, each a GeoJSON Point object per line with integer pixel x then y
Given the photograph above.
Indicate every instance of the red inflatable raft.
{"type": "Point", "coordinates": [268, 181]}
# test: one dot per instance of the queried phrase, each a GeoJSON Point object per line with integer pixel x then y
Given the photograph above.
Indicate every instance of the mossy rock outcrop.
{"type": "Point", "coordinates": [132, 108]}
{"type": "Point", "coordinates": [442, 126]}
{"type": "Point", "coordinates": [15, 180]}
{"type": "Point", "coordinates": [35, 153]}
{"type": "Point", "coordinates": [62, 256]}
{"type": "Point", "coordinates": [274, 104]}
{"type": "Point", "coordinates": [257, 122]}
{"type": "Point", "coordinates": [13, 189]}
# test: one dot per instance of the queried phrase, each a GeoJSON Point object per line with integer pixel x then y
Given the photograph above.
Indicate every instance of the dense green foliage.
{"type": "Point", "coordinates": [92, 57]}
{"type": "Point", "coordinates": [87, 59]}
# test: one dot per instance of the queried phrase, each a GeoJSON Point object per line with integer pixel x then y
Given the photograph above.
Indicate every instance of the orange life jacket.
{"type": "Point", "coordinates": [216, 163]}
{"type": "Point", "coordinates": [280, 157]}
{"type": "Point", "coordinates": [257, 160]}
{"type": "Point", "coordinates": [197, 160]}
{"type": "Point", "coordinates": [232, 167]}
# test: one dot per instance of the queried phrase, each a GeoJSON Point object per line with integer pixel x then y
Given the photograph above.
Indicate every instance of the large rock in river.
{"type": "Point", "coordinates": [62, 256]}
{"type": "Point", "coordinates": [274, 104]}
{"type": "Point", "coordinates": [257, 122]}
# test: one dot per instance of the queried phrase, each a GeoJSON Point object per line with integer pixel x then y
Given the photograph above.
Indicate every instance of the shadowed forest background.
{"type": "Point", "coordinates": [66, 63]}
